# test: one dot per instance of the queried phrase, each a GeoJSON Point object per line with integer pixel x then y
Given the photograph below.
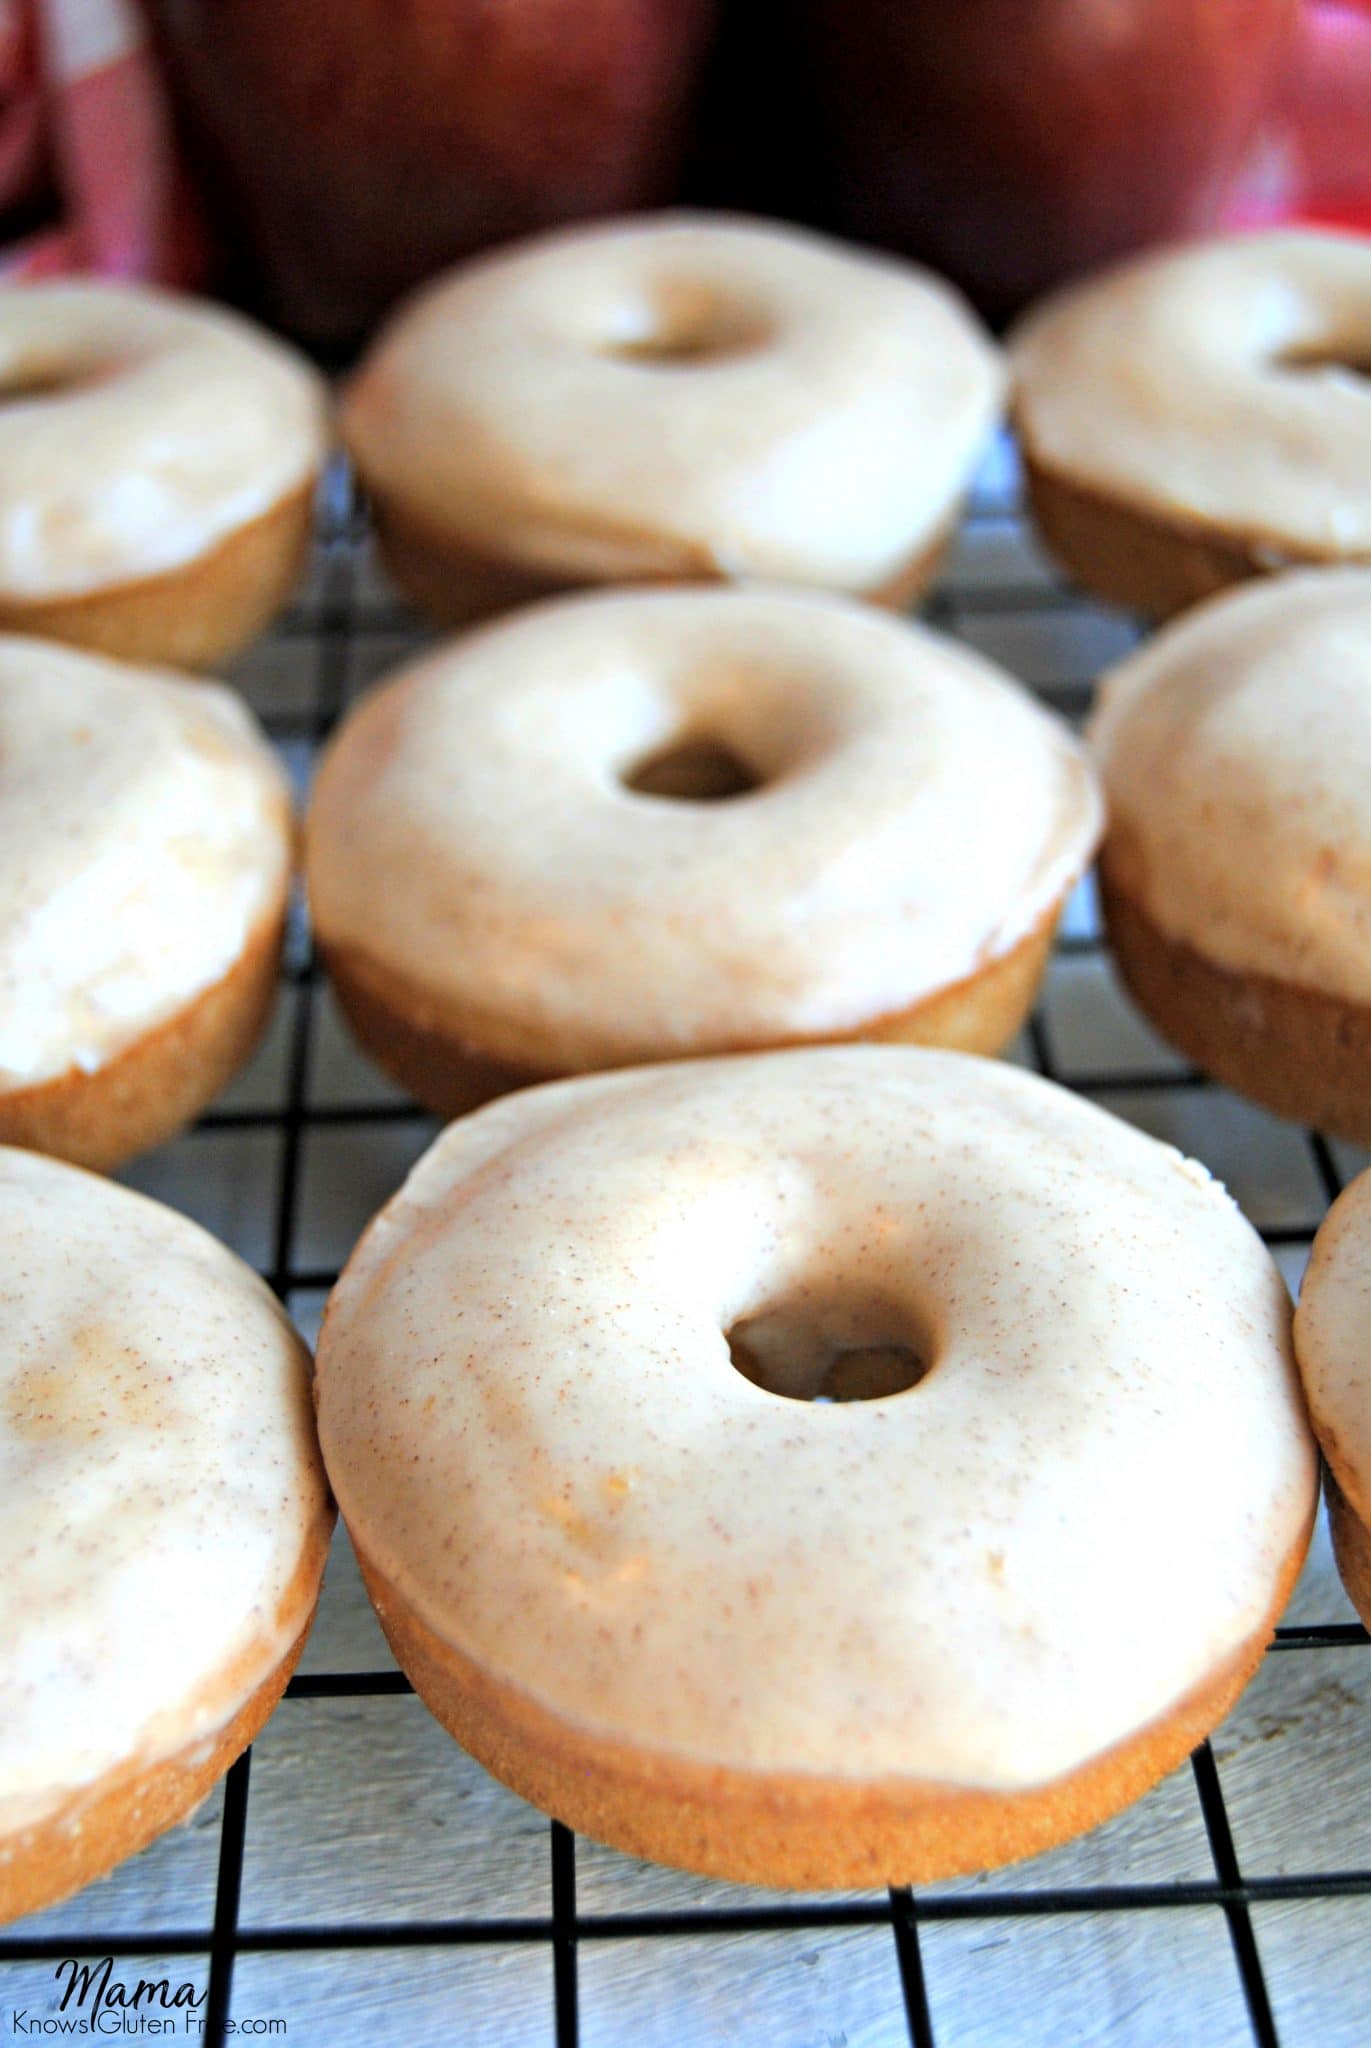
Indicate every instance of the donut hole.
{"type": "Point", "coordinates": [697, 769]}
{"type": "Point", "coordinates": [683, 325]}
{"type": "Point", "coordinates": [1353, 361]}
{"type": "Point", "coordinates": [45, 377]}
{"type": "Point", "coordinates": [839, 1348]}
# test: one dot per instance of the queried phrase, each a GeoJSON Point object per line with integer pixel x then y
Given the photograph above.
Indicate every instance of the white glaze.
{"type": "Point", "coordinates": [145, 837]}
{"type": "Point", "coordinates": [159, 1484]}
{"type": "Point", "coordinates": [1166, 383]}
{"type": "Point", "coordinates": [920, 814]}
{"type": "Point", "coordinates": [534, 1430]}
{"type": "Point", "coordinates": [182, 424]}
{"type": "Point", "coordinates": [1236, 754]}
{"type": "Point", "coordinates": [1333, 1340]}
{"type": "Point", "coordinates": [827, 443]}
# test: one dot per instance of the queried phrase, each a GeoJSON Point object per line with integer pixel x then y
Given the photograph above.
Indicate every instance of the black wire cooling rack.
{"type": "Point", "coordinates": [318, 640]}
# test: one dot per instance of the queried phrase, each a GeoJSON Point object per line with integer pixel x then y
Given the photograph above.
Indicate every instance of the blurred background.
{"type": "Point", "coordinates": [314, 159]}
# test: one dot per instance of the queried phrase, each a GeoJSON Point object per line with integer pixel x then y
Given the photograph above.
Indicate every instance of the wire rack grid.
{"type": "Point", "coordinates": [1232, 1905]}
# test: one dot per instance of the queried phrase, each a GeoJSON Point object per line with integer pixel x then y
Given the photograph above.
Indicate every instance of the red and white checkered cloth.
{"type": "Point", "coordinates": [89, 179]}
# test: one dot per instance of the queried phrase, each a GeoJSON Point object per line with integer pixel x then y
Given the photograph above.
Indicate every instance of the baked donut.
{"type": "Point", "coordinates": [145, 859]}
{"type": "Point", "coordinates": [1193, 417]}
{"type": "Point", "coordinates": [549, 811]}
{"type": "Point", "coordinates": [1236, 871]}
{"type": "Point", "coordinates": [1333, 1349]}
{"type": "Point", "coordinates": [157, 466]}
{"type": "Point", "coordinates": [986, 1531]}
{"type": "Point", "coordinates": [680, 397]}
{"type": "Point", "coordinates": [163, 1521]}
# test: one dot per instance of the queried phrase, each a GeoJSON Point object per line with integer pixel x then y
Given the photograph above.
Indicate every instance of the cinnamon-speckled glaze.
{"type": "Point", "coordinates": [138, 432]}
{"type": "Point", "coordinates": [682, 395]}
{"type": "Point", "coordinates": [1235, 748]}
{"type": "Point", "coordinates": [145, 844]}
{"type": "Point", "coordinates": [1215, 388]}
{"type": "Point", "coordinates": [917, 816]}
{"type": "Point", "coordinates": [163, 1510]}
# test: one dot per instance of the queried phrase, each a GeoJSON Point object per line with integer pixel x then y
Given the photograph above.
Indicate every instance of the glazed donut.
{"type": "Point", "coordinates": [157, 465]}
{"type": "Point", "coordinates": [1333, 1347]}
{"type": "Point", "coordinates": [145, 858]}
{"type": "Point", "coordinates": [548, 811]}
{"type": "Point", "coordinates": [1021, 1558]}
{"type": "Point", "coordinates": [678, 397]}
{"type": "Point", "coordinates": [1193, 417]}
{"type": "Point", "coordinates": [163, 1521]}
{"type": "Point", "coordinates": [1236, 872]}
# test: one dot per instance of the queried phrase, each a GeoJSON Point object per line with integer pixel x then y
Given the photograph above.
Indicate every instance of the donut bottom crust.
{"type": "Point", "coordinates": [162, 1079]}
{"type": "Point", "coordinates": [190, 617]}
{"type": "Point", "coordinates": [1351, 1546]}
{"type": "Point", "coordinates": [441, 1066]}
{"type": "Point", "coordinates": [798, 1832]}
{"type": "Point", "coordinates": [132, 1805]}
{"type": "Point", "coordinates": [1133, 558]}
{"type": "Point", "coordinates": [455, 584]}
{"type": "Point", "coordinates": [1297, 1051]}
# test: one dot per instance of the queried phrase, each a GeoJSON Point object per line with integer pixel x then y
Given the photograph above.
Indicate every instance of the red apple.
{"type": "Point", "coordinates": [351, 147]}
{"type": "Point", "coordinates": [1013, 142]}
